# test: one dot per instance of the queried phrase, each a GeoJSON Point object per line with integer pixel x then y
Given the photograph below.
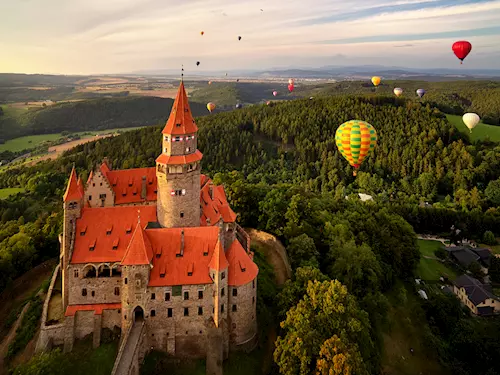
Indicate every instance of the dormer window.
{"type": "Point", "coordinates": [242, 267]}
{"type": "Point", "coordinates": [128, 230]}
{"type": "Point", "coordinates": [158, 253]}
{"type": "Point", "coordinates": [124, 192]}
{"type": "Point", "coordinates": [92, 245]}
{"type": "Point", "coordinates": [115, 244]}
{"type": "Point", "coordinates": [190, 269]}
{"type": "Point", "coordinates": [83, 231]}
{"type": "Point", "coordinates": [178, 125]}
{"type": "Point", "coordinates": [109, 230]}
{"type": "Point", "coordinates": [162, 274]}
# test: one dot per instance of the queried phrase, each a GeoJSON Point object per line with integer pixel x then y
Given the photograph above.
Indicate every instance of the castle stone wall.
{"type": "Point", "coordinates": [169, 208]}
{"type": "Point", "coordinates": [103, 287]}
{"type": "Point", "coordinates": [179, 148]}
{"type": "Point", "coordinates": [84, 323]}
{"type": "Point", "coordinates": [111, 318]}
{"type": "Point", "coordinates": [97, 186]}
{"type": "Point", "coordinates": [243, 321]}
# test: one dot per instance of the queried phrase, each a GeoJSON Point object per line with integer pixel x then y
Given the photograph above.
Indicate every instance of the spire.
{"type": "Point", "coordinates": [73, 192]}
{"type": "Point", "coordinates": [181, 120]}
{"type": "Point", "coordinates": [218, 261]}
{"type": "Point", "coordinates": [139, 250]}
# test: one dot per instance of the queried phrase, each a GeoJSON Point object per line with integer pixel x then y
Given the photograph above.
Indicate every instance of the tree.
{"type": "Point", "coordinates": [302, 251]}
{"type": "Point", "coordinates": [492, 192]}
{"type": "Point", "coordinates": [313, 327]}
{"type": "Point", "coordinates": [489, 238]}
{"type": "Point", "coordinates": [476, 271]}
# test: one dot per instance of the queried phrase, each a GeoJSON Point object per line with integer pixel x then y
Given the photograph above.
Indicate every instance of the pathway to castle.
{"type": "Point", "coordinates": [277, 257]}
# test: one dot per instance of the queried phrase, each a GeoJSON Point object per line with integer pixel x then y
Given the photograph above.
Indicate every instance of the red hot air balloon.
{"type": "Point", "coordinates": [290, 87]}
{"type": "Point", "coordinates": [461, 49]}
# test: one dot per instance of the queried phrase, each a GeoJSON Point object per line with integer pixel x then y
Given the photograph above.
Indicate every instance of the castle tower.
{"type": "Point", "coordinates": [136, 267]}
{"type": "Point", "coordinates": [178, 168]}
{"type": "Point", "coordinates": [73, 202]}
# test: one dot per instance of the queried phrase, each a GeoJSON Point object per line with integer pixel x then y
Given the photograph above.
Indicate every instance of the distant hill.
{"type": "Point", "coordinates": [96, 114]}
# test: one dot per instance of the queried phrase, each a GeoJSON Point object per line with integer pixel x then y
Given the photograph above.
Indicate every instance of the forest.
{"type": "Point", "coordinates": [283, 174]}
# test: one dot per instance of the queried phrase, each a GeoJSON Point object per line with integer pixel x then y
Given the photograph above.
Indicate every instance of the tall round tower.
{"type": "Point", "coordinates": [178, 168]}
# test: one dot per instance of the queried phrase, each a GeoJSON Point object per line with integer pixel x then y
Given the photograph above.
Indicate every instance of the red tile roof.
{"type": "Point", "coordinates": [242, 269]}
{"type": "Point", "coordinates": [139, 249]}
{"type": "Point", "coordinates": [94, 222]}
{"type": "Point", "coordinates": [81, 187]}
{"type": "Point", "coordinates": [218, 261]}
{"type": "Point", "coordinates": [72, 309]}
{"type": "Point", "coordinates": [167, 243]}
{"type": "Point", "coordinates": [216, 206]}
{"type": "Point", "coordinates": [203, 180]}
{"type": "Point", "coordinates": [105, 168]}
{"type": "Point", "coordinates": [73, 192]}
{"type": "Point", "coordinates": [179, 159]}
{"type": "Point", "coordinates": [126, 182]}
{"type": "Point", "coordinates": [180, 115]}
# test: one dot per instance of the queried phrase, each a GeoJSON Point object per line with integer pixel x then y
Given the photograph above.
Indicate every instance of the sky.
{"type": "Point", "coordinates": [121, 36]}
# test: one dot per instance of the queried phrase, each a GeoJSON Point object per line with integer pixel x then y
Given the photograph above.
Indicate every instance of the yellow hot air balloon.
{"type": "Point", "coordinates": [210, 107]}
{"type": "Point", "coordinates": [398, 91]}
{"type": "Point", "coordinates": [355, 139]}
{"type": "Point", "coordinates": [471, 120]}
{"type": "Point", "coordinates": [376, 81]}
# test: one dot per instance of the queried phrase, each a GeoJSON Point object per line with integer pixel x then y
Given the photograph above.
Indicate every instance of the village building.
{"type": "Point", "coordinates": [156, 248]}
{"type": "Point", "coordinates": [478, 297]}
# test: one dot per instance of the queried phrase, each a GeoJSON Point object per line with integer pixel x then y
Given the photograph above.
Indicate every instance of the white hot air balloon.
{"type": "Point", "coordinates": [291, 81]}
{"type": "Point", "coordinates": [398, 91]}
{"type": "Point", "coordinates": [471, 120]}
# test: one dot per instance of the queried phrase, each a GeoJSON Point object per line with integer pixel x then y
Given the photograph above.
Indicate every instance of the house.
{"type": "Point", "coordinates": [465, 255]}
{"type": "Point", "coordinates": [478, 297]}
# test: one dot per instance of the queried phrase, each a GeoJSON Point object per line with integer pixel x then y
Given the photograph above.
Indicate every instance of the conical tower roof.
{"type": "Point", "coordinates": [73, 192]}
{"type": "Point", "coordinates": [181, 119]}
{"type": "Point", "coordinates": [139, 250]}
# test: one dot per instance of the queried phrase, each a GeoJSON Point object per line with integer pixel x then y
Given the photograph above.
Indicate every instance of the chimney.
{"type": "Point", "coordinates": [143, 190]}
{"type": "Point", "coordinates": [221, 233]}
{"type": "Point", "coordinates": [182, 242]}
{"type": "Point", "coordinates": [211, 191]}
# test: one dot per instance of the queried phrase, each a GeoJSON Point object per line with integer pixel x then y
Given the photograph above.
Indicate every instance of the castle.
{"type": "Point", "coordinates": [157, 247]}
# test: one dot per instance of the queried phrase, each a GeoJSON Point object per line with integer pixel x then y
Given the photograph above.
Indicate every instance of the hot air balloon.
{"type": "Point", "coordinates": [290, 87]}
{"type": "Point", "coordinates": [268, 102]}
{"type": "Point", "coordinates": [355, 139]}
{"type": "Point", "coordinates": [239, 38]}
{"type": "Point", "coordinates": [398, 91]}
{"type": "Point", "coordinates": [209, 82]}
{"type": "Point", "coordinates": [376, 81]}
{"type": "Point", "coordinates": [237, 80]}
{"type": "Point", "coordinates": [461, 49]}
{"type": "Point", "coordinates": [202, 33]}
{"type": "Point", "coordinates": [275, 93]}
{"type": "Point", "coordinates": [226, 74]}
{"type": "Point", "coordinates": [291, 81]}
{"type": "Point", "coordinates": [210, 107]}
{"type": "Point", "coordinates": [470, 120]}
{"type": "Point", "coordinates": [197, 63]}
{"type": "Point", "coordinates": [311, 98]}
{"type": "Point", "coordinates": [238, 106]}
{"type": "Point", "coordinates": [420, 92]}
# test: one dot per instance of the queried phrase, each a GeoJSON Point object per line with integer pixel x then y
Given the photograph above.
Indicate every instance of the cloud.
{"type": "Point", "coordinates": [95, 36]}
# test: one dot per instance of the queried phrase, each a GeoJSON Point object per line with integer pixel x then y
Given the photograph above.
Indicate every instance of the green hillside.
{"type": "Point", "coordinates": [96, 114]}
{"type": "Point", "coordinates": [482, 132]}
{"type": "Point", "coordinates": [283, 174]}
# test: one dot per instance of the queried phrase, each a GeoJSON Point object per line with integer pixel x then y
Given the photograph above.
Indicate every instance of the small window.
{"type": "Point", "coordinates": [178, 125]}
{"type": "Point", "coordinates": [93, 184]}
{"type": "Point", "coordinates": [117, 291]}
{"type": "Point", "coordinates": [253, 300]}
{"type": "Point", "coordinates": [84, 292]}
{"type": "Point", "coordinates": [200, 310]}
{"type": "Point", "coordinates": [153, 313]}
{"type": "Point", "coordinates": [222, 292]}
{"type": "Point", "coordinates": [153, 296]}
{"type": "Point", "coordinates": [222, 308]}
{"type": "Point", "coordinates": [200, 294]}
{"type": "Point", "coordinates": [169, 313]}
{"type": "Point", "coordinates": [100, 184]}
{"type": "Point", "coordinates": [182, 214]}
{"type": "Point", "coordinates": [167, 296]}
{"type": "Point", "coordinates": [93, 293]}
{"type": "Point", "coordinates": [183, 191]}
{"type": "Point", "coordinates": [186, 296]}
{"type": "Point", "coordinates": [235, 292]}
{"type": "Point", "coordinates": [188, 149]}
{"type": "Point", "coordinates": [90, 197]}
{"type": "Point", "coordinates": [177, 139]}
{"type": "Point", "coordinates": [223, 276]}
{"type": "Point", "coordinates": [234, 308]}
{"type": "Point", "coordinates": [126, 281]}
{"type": "Point", "coordinates": [128, 231]}
{"type": "Point", "coordinates": [186, 311]}
{"type": "Point", "coordinates": [75, 273]}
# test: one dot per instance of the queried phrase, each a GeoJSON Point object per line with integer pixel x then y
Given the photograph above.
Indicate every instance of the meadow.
{"type": "Point", "coordinates": [430, 268]}
{"type": "Point", "coordinates": [481, 132]}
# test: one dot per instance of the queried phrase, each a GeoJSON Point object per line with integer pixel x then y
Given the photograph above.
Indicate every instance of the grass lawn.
{"type": "Point", "coordinates": [431, 269]}
{"type": "Point", "coordinates": [406, 329]}
{"type": "Point", "coordinates": [32, 141]}
{"type": "Point", "coordinates": [479, 133]}
{"type": "Point", "coordinates": [4, 193]}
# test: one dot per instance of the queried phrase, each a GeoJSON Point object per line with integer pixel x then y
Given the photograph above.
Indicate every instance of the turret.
{"type": "Point", "coordinates": [72, 204]}
{"type": "Point", "coordinates": [178, 168]}
{"type": "Point", "coordinates": [218, 269]}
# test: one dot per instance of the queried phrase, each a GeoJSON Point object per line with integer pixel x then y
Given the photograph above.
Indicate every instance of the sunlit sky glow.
{"type": "Point", "coordinates": [118, 36]}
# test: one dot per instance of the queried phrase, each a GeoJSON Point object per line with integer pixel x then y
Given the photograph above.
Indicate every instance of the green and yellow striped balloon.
{"type": "Point", "coordinates": [355, 139]}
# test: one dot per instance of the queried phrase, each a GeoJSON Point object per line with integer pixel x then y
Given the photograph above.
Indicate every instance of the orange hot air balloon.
{"type": "Point", "coordinates": [376, 81]}
{"type": "Point", "coordinates": [290, 87]}
{"type": "Point", "coordinates": [210, 106]}
{"type": "Point", "coordinates": [202, 33]}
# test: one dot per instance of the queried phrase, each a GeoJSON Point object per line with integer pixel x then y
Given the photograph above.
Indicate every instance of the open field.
{"type": "Point", "coordinates": [479, 133]}
{"type": "Point", "coordinates": [431, 269]}
{"type": "Point", "coordinates": [4, 193]}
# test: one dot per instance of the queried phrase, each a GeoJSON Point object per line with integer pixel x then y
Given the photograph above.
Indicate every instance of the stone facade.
{"type": "Point", "coordinates": [98, 192]}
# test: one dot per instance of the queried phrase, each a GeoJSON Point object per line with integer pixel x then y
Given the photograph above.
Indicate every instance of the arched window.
{"type": "Point", "coordinates": [104, 271]}
{"type": "Point", "coordinates": [89, 271]}
{"type": "Point", "coordinates": [116, 270]}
